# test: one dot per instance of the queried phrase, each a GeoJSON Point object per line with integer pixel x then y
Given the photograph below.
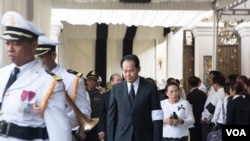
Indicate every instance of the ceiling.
{"type": "Point", "coordinates": [154, 4]}
{"type": "Point", "coordinates": [239, 11]}
{"type": "Point", "coordinates": [165, 13]}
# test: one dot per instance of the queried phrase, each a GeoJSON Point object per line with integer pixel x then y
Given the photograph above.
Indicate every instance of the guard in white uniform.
{"type": "Point", "coordinates": [33, 106]}
{"type": "Point", "coordinates": [74, 83]}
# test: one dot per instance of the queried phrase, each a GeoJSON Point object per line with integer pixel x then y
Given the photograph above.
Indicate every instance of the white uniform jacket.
{"type": "Point", "coordinates": [34, 79]}
{"type": "Point", "coordinates": [81, 100]}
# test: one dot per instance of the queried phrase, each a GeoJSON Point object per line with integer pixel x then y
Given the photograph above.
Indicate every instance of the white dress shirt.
{"type": "Point", "coordinates": [136, 85]}
{"type": "Point", "coordinates": [213, 98]}
{"type": "Point", "coordinates": [219, 113]}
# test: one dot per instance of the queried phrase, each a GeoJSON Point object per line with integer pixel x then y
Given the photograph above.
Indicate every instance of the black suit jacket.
{"type": "Point", "coordinates": [162, 94]}
{"type": "Point", "coordinates": [126, 121]}
{"type": "Point", "coordinates": [197, 99]}
{"type": "Point", "coordinates": [238, 111]}
{"type": "Point", "coordinates": [103, 111]}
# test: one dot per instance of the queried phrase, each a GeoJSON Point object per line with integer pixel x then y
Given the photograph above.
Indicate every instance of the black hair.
{"type": "Point", "coordinates": [193, 81]}
{"type": "Point", "coordinates": [133, 58]}
{"type": "Point", "coordinates": [171, 84]}
{"type": "Point", "coordinates": [242, 78]}
{"type": "Point", "coordinates": [227, 88]}
{"type": "Point", "coordinates": [248, 82]}
{"type": "Point", "coordinates": [170, 79]}
{"type": "Point", "coordinates": [178, 81]}
{"type": "Point", "coordinates": [215, 72]}
{"type": "Point", "coordinates": [232, 77]}
{"type": "Point", "coordinates": [238, 87]}
{"type": "Point", "coordinates": [149, 79]}
{"type": "Point", "coordinates": [220, 80]}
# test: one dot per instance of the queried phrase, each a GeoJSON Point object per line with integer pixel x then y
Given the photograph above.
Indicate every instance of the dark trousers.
{"type": "Point", "coordinates": [76, 136]}
{"type": "Point", "coordinates": [206, 128]}
{"type": "Point", "coordinates": [175, 139]}
{"type": "Point", "coordinates": [133, 137]}
{"type": "Point", "coordinates": [195, 134]}
{"type": "Point", "coordinates": [92, 135]}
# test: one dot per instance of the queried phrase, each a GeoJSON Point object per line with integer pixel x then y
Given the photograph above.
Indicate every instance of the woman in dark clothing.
{"type": "Point", "coordinates": [238, 112]}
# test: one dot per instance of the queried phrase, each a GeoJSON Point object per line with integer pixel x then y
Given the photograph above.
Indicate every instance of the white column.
{"type": "Point", "coordinates": [174, 53]}
{"type": "Point", "coordinates": [161, 62]}
{"type": "Point", "coordinates": [1, 41]}
{"type": "Point", "coordinates": [19, 6]}
{"type": "Point", "coordinates": [203, 34]}
{"type": "Point", "coordinates": [244, 32]}
{"type": "Point", "coordinates": [55, 30]}
{"type": "Point", "coordinates": [42, 15]}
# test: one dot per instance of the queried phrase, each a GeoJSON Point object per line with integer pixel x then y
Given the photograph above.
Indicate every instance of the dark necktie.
{"type": "Point", "coordinates": [12, 78]}
{"type": "Point", "coordinates": [132, 94]}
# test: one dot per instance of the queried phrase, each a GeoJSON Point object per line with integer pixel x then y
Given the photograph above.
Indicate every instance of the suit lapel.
{"type": "Point", "coordinates": [139, 92]}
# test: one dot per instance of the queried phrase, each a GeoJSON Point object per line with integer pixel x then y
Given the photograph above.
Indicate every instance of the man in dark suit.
{"type": "Point", "coordinates": [208, 109]}
{"type": "Point", "coordinates": [134, 108]}
{"type": "Point", "coordinates": [103, 107]}
{"type": "Point", "coordinates": [197, 99]}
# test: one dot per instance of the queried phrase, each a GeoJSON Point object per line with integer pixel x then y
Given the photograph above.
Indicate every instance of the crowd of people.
{"type": "Point", "coordinates": [37, 95]}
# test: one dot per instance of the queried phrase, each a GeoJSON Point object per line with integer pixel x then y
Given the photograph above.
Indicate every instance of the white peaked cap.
{"type": "Point", "coordinates": [42, 40]}
{"type": "Point", "coordinates": [45, 45]}
{"type": "Point", "coordinates": [17, 27]}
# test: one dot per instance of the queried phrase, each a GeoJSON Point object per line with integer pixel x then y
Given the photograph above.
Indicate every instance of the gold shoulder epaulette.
{"type": "Point", "coordinates": [57, 78]}
{"type": "Point", "coordinates": [78, 74]}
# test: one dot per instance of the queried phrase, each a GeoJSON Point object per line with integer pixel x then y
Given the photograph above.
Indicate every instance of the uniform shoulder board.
{"type": "Point", "coordinates": [78, 74]}
{"type": "Point", "coordinates": [57, 78]}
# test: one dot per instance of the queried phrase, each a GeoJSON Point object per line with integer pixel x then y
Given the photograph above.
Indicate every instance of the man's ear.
{"type": "Point", "coordinates": [139, 68]}
{"type": "Point", "coordinates": [53, 55]}
{"type": "Point", "coordinates": [34, 45]}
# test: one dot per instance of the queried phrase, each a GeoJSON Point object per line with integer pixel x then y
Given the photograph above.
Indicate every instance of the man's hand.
{"type": "Point", "coordinates": [101, 135]}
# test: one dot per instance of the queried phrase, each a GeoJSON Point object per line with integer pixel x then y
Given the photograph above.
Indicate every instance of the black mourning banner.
{"type": "Point", "coordinates": [101, 51]}
{"type": "Point", "coordinates": [166, 30]}
{"type": "Point", "coordinates": [128, 40]}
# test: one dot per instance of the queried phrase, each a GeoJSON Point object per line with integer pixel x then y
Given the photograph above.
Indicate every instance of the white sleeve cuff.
{"type": "Point", "coordinates": [157, 115]}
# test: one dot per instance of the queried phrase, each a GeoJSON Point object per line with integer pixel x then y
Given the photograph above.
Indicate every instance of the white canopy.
{"type": "Point", "coordinates": [165, 13]}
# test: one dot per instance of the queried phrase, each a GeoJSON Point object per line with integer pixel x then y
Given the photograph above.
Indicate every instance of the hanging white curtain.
{"type": "Point", "coordinates": [150, 18]}
{"type": "Point", "coordinates": [114, 48]}
{"type": "Point", "coordinates": [78, 47]}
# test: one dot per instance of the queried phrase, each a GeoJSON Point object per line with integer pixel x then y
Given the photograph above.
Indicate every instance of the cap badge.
{"type": "Point", "coordinates": [11, 21]}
